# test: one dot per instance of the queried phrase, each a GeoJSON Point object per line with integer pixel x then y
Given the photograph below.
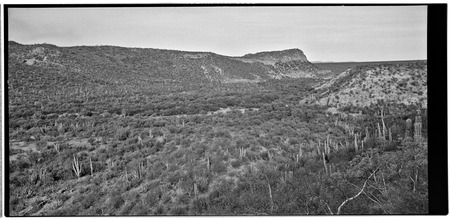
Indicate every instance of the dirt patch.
{"type": "Point", "coordinates": [79, 143]}
{"type": "Point", "coordinates": [24, 146]}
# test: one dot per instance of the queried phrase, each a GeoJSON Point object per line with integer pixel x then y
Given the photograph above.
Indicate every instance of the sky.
{"type": "Point", "coordinates": [323, 33]}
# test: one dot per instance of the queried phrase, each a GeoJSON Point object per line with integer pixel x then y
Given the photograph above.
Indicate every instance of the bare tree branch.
{"type": "Point", "coordinates": [329, 209]}
{"type": "Point", "coordinates": [373, 198]}
{"type": "Point", "coordinates": [359, 193]}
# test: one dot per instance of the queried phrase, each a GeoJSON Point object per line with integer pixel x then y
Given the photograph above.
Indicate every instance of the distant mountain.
{"type": "Point", "coordinates": [112, 64]}
{"type": "Point", "coordinates": [364, 85]}
{"type": "Point", "coordinates": [272, 57]}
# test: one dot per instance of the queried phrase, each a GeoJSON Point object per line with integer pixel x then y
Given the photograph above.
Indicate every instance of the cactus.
{"type": "Point", "coordinates": [126, 175]}
{"type": "Point", "coordinates": [76, 166]}
{"type": "Point", "coordinates": [325, 163]}
{"type": "Point", "coordinates": [139, 172]}
{"type": "Point", "coordinates": [207, 163]}
{"type": "Point", "coordinates": [61, 128]}
{"type": "Point", "coordinates": [382, 116]}
{"type": "Point", "coordinates": [367, 134]}
{"type": "Point", "coordinates": [286, 175]}
{"type": "Point", "coordinates": [418, 127]}
{"type": "Point", "coordinates": [327, 145]}
{"type": "Point", "coordinates": [42, 173]}
{"type": "Point", "coordinates": [141, 169]}
{"type": "Point", "coordinates": [139, 139]}
{"type": "Point", "coordinates": [390, 135]}
{"type": "Point", "coordinates": [57, 147]}
{"type": "Point", "coordinates": [92, 168]}
{"type": "Point", "coordinates": [252, 168]}
{"type": "Point", "coordinates": [242, 152]}
{"type": "Point", "coordinates": [300, 151]}
{"type": "Point", "coordinates": [318, 148]}
{"type": "Point", "coordinates": [408, 124]}
{"type": "Point", "coordinates": [195, 190]}
{"type": "Point", "coordinates": [150, 133]}
{"type": "Point", "coordinates": [379, 131]}
{"type": "Point", "coordinates": [350, 129]}
{"type": "Point", "coordinates": [408, 128]}
{"type": "Point", "coordinates": [382, 131]}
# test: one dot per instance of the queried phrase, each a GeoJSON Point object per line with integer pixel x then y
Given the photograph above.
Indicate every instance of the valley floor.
{"type": "Point", "coordinates": [278, 160]}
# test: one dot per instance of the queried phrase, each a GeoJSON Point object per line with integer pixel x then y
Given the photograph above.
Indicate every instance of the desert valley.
{"type": "Point", "coordinates": [106, 130]}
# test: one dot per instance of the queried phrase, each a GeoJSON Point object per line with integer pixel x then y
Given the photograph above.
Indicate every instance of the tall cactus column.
{"type": "Point", "coordinates": [408, 128]}
{"type": "Point", "coordinates": [418, 127]}
{"type": "Point", "coordinates": [381, 132]}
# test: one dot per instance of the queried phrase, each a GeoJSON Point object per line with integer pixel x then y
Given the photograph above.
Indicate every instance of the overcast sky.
{"type": "Point", "coordinates": [323, 33]}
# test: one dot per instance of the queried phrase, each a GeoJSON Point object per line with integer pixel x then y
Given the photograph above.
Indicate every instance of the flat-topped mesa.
{"type": "Point", "coordinates": [272, 57]}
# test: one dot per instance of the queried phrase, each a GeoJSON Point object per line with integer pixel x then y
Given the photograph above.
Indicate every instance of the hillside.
{"type": "Point", "coordinates": [339, 67]}
{"type": "Point", "coordinates": [109, 64]}
{"type": "Point", "coordinates": [366, 85]}
{"type": "Point", "coordinates": [114, 79]}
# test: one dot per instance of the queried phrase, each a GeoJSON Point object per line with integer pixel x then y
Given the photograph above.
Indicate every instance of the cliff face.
{"type": "Point", "coordinates": [290, 63]}
{"type": "Point", "coordinates": [273, 57]}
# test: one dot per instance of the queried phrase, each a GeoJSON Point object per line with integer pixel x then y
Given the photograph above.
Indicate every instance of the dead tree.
{"type": "Point", "coordinates": [359, 193]}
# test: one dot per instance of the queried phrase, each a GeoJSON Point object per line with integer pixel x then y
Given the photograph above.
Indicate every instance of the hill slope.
{"type": "Point", "coordinates": [369, 84]}
{"type": "Point", "coordinates": [339, 67]}
{"type": "Point", "coordinates": [110, 64]}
